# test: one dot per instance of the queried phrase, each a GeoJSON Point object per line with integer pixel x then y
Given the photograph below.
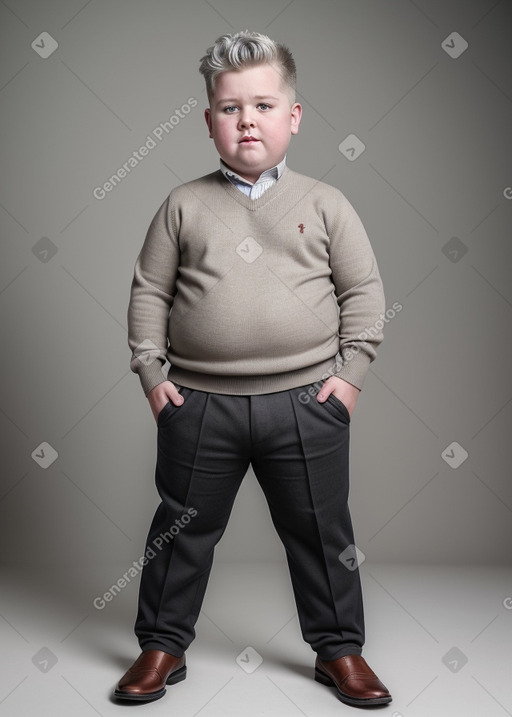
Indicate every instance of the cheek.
{"type": "Point", "coordinates": [223, 130]}
{"type": "Point", "coordinates": [281, 134]}
{"type": "Point", "coordinates": [282, 129]}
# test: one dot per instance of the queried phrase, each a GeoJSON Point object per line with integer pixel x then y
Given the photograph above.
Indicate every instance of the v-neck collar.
{"type": "Point", "coordinates": [266, 197]}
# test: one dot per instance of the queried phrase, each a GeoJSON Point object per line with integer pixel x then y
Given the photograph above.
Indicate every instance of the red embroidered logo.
{"type": "Point", "coordinates": [302, 227]}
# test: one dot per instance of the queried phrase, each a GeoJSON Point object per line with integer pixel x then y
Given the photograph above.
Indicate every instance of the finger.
{"type": "Point", "coordinates": [324, 392]}
{"type": "Point", "coordinates": [175, 396]}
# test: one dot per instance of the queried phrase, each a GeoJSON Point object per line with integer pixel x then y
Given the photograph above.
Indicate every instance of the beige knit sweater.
{"type": "Point", "coordinates": [244, 296]}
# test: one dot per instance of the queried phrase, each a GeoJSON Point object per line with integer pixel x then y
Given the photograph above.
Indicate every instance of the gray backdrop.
{"type": "Point", "coordinates": [431, 448]}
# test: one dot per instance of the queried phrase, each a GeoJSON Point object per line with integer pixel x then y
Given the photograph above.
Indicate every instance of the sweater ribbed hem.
{"type": "Point", "coordinates": [249, 385]}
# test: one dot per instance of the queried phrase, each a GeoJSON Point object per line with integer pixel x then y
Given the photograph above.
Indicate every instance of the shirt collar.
{"type": "Point", "coordinates": [274, 172]}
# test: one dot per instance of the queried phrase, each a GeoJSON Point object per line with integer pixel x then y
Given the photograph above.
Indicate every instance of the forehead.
{"type": "Point", "coordinates": [251, 81]}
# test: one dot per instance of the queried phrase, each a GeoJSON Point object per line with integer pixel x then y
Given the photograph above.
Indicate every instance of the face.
{"type": "Point", "coordinates": [251, 119]}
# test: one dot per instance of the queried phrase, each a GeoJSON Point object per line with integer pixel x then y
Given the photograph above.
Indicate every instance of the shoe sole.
{"type": "Point", "coordinates": [352, 701]}
{"type": "Point", "coordinates": [173, 678]}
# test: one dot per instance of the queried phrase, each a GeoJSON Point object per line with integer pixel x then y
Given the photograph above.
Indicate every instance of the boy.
{"type": "Point", "coordinates": [258, 286]}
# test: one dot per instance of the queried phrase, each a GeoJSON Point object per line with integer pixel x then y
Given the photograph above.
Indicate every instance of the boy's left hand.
{"type": "Point", "coordinates": [345, 391]}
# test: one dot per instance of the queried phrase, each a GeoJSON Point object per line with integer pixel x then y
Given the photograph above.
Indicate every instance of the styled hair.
{"type": "Point", "coordinates": [247, 49]}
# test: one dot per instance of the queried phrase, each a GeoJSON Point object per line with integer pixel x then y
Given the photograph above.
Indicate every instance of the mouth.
{"type": "Point", "coordinates": [248, 139]}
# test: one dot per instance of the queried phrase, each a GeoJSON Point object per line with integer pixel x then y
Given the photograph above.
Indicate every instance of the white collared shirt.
{"type": "Point", "coordinates": [266, 179]}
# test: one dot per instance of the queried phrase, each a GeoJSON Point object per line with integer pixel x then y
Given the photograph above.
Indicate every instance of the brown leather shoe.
{"type": "Point", "coordinates": [356, 684]}
{"type": "Point", "coordinates": [147, 677]}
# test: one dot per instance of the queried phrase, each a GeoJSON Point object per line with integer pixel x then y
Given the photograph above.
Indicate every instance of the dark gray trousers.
{"type": "Point", "coordinates": [299, 451]}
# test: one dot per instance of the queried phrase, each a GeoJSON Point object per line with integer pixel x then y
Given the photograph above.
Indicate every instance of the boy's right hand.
{"type": "Point", "coordinates": [160, 395]}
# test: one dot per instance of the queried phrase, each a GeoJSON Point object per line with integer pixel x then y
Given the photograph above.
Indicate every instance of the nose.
{"type": "Point", "coordinates": [247, 118]}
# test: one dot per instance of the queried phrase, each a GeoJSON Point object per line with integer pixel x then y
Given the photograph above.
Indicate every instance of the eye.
{"type": "Point", "coordinates": [229, 110]}
{"type": "Point", "coordinates": [264, 106]}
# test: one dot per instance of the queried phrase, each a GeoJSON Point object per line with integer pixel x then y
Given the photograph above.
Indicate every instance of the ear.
{"type": "Point", "coordinates": [295, 117]}
{"type": "Point", "coordinates": [208, 118]}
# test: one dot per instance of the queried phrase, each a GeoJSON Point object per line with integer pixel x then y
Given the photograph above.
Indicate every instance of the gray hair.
{"type": "Point", "coordinates": [247, 49]}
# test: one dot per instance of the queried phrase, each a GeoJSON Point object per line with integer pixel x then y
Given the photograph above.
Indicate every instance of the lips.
{"type": "Point", "coordinates": [249, 139]}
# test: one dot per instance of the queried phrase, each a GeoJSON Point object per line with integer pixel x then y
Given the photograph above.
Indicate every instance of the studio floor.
{"type": "Point", "coordinates": [440, 638]}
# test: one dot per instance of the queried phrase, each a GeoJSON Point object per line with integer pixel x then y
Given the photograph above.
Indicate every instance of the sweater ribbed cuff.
{"type": "Point", "coordinates": [355, 369]}
{"type": "Point", "coordinates": [151, 375]}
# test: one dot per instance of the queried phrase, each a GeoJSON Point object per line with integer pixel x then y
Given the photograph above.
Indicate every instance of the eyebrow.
{"type": "Point", "coordinates": [258, 97]}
